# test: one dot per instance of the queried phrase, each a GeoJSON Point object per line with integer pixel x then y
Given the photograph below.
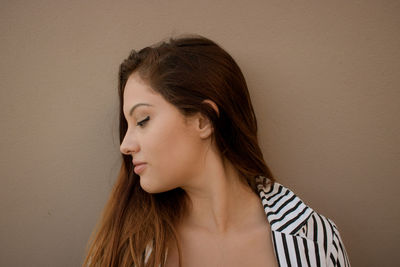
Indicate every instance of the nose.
{"type": "Point", "coordinates": [128, 146]}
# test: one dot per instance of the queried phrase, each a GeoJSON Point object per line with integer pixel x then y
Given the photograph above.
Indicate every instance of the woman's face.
{"type": "Point", "coordinates": [157, 135]}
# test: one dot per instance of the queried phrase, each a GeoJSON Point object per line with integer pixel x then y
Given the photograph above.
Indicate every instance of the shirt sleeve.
{"type": "Point", "coordinates": [338, 255]}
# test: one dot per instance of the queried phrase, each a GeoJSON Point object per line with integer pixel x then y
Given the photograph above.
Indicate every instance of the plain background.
{"type": "Point", "coordinates": [323, 77]}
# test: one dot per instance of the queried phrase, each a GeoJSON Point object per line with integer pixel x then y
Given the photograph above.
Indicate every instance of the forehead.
{"type": "Point", "coordinates": [136, 86]}
{"type": "Point", "coordinates": [137, 91]}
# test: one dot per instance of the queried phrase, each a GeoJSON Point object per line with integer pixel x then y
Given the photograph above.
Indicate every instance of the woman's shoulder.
{"type": "Point", "coordinates": [293, 220]}
{"type": "Point", "coordinates": [285, 209]}
{"type": "Point", "coordinates": [286, 212]}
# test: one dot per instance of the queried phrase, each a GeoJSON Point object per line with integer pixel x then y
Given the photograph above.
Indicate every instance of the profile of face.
{"type": "Point", "coordinates": [158, 135]}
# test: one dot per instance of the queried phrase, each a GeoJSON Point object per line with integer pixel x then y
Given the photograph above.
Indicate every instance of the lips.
{"type": "Point", "coordinates": [140, 168]}
{"type": "Point", "coordinates": [137, 162]}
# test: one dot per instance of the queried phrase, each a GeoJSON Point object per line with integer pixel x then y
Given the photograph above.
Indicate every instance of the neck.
{"type": "Point", "coordinates": [220, 202]}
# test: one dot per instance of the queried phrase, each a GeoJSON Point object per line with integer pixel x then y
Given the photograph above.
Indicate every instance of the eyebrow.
{"type": "Point", "coordinates": [136, 106]}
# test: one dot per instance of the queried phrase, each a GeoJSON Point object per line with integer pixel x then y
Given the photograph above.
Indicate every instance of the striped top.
{"type": "Point", "coordinates": [301, 236]}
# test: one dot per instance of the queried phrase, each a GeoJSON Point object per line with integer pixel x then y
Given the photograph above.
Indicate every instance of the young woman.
{"type": "Point", "coordinates": [193, 188]}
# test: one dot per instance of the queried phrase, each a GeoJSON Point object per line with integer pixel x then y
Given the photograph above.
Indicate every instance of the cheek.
{"type": "Point", "coordinates": [177, 154]}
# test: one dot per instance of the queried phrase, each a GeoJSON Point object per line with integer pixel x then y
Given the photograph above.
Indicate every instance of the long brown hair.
{"type": "Point", "coordinates": [185, 70]}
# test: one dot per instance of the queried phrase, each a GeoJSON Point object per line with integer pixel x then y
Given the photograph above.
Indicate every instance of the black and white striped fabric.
{"type": "Point", "coordinates": [301, 236]}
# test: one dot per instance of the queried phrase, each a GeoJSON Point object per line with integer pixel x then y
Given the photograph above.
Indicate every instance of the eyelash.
{"type": "Point", "coordinates": [143, 121]}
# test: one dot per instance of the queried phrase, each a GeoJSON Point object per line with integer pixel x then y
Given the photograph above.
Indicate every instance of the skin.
{"type": "Point", "coordinates": [179, 153]}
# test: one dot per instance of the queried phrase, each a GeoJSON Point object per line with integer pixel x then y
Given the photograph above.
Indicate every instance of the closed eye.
{"type": "Point", "coordinates": [141, 123]}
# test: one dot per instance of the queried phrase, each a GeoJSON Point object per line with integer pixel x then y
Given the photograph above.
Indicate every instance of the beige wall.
{"type": "Point", "coordinates": [323, 76]}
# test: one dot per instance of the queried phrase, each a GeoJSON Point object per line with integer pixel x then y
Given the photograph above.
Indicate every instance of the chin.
{"type": "Point", "coordinates": [151, 189]}
{"type": "Point", "coordinates": [145, 187]}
